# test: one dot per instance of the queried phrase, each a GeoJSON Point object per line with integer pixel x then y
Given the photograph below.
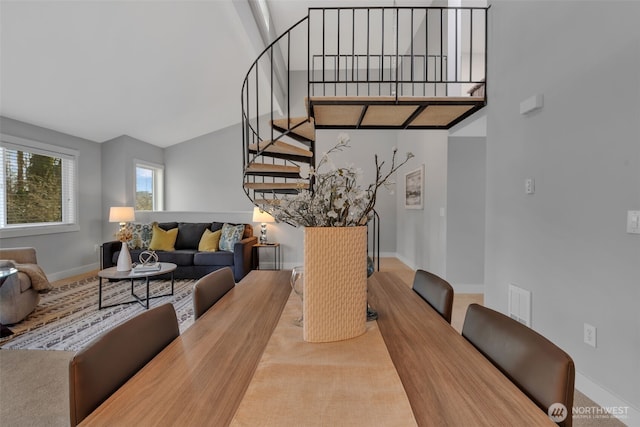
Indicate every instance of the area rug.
{"type": "Point", "coordinates": [67, 318]}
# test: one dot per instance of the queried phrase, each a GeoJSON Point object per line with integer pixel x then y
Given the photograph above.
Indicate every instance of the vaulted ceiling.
{"type": "Point", "coordinates": [159, 71]}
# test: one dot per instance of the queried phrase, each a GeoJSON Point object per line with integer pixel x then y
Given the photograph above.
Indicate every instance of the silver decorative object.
{"type": "Point", "coordinates": [148, 257]}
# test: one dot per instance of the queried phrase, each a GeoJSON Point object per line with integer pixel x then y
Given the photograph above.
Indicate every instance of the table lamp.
{"type": "Point", "coordinates": [262, 217]}
{"type": "Point", "coordinates": [122, 214]}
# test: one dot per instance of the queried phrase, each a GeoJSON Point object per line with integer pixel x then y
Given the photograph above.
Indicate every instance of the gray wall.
{"type": "Point", "coordinates": [466, 176]}
{"type": "Point", "coordinates": [204, 175]}
{"type": "Point", "coordinates": [118, 177]}
{"type": "Point", "coordinates": [65, 254]}
{"type": "Point", "coordinates": [567, 243]}
{"type": "Point", "coordinates": [422, 234]}
{"type": "Point", "coordinates": [364, 145]}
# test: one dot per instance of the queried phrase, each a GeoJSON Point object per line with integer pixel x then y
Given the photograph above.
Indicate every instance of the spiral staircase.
{"type": "Point", "coordinates": [356, 68]}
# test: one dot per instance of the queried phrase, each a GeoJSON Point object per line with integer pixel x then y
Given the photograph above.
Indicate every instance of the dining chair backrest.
{"type": "Point", "coordinates": [110, 360]}
{"type": "Point", "coordinates": [538, 367]}
{"type": "Point", "coordinates": [210, 288]}
{"type": "Point", "coordinates": [436, 291]}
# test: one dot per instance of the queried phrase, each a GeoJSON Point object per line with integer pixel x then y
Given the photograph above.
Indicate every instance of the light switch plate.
{"type": "Point", "coordinates": [529, 186]}
{"type": "Point", "coordinates": [633, 222]}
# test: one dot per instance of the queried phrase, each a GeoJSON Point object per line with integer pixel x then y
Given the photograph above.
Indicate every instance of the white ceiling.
{"type": "Point", "coordinates": [159, 71]}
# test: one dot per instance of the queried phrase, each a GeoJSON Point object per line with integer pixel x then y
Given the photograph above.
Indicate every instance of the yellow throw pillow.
{"type": "Point", "coordinates": [209, 241]}
{"type": "Point", "coordinates": [162, 240]}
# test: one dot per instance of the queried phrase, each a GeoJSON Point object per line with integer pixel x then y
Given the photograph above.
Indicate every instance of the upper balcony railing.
{"type": "Point", "coordinates": [419, 52]}
{"type": "Point", "coordinates": [396, 51]}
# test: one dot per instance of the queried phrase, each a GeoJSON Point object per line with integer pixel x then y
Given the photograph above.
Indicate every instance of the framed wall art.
{"type": "Point", "coordinates": [414, 189]}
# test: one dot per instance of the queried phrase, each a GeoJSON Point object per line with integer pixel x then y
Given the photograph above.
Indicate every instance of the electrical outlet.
{"type": "Point", "coordinates": [96, 248]}
{"type": "Point", "coordinates": [590, 335]}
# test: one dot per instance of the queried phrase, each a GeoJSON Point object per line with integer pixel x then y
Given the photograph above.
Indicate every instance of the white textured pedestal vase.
{"type": "Point", "coordinates": [124, 258]}
{"type": "Point", "coordinates": [335, 283]}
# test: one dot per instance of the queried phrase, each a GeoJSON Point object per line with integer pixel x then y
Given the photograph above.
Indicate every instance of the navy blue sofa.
{"type": "Point", "coordinates": [193, 264]}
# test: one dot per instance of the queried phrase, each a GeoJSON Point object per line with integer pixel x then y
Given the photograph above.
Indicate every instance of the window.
{"type": "Point", "coordinates": [37, 188]}
{"type": "Point", "coordinates": [149, 188]}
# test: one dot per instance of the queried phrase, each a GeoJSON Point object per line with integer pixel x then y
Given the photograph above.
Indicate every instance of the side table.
{"type": "Point", "coordinates": [5, 273]}
{"type": "Point", "coordinates": [276, 253]}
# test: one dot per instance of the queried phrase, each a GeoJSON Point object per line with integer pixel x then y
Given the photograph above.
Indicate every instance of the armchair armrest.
{"type": "Point", "coordinates": [26, 255]}
{"type": "Point", "coordinates": [242, 257]}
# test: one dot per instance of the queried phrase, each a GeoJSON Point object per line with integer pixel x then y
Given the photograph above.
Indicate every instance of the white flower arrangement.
{"type": "Point", "coordinates": [335, 198]}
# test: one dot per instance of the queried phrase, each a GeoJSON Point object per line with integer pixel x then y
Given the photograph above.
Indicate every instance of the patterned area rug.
{"type": "Point", "coordinates": [67, 318]}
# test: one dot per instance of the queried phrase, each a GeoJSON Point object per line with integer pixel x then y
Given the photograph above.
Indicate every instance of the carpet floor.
{"type": "Point", "coordinates": [67, 318]}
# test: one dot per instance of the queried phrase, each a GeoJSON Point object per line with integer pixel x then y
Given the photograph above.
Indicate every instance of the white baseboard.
{"type": "Point", "coordinates": [73, 272]}
{"type": "Point", "coordinates": [607, 400]}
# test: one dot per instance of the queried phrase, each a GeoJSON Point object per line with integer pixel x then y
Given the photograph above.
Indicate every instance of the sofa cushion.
{"type": "Point", "coordinates": [222, 258]}
{"type": "Point", "coordinates": [167, 225]}
{"type": "Point", "coordinates": [179, 257]}
{"type": "Point", "coordinates": [162, 240]}
{"type": "Point", "coordinates": [140, 235]}
{"type": "Point", "coordinates": [210, 241]}
{"type": "Point", "coordinates": [182, 257]}
{"type": "Point", "coordinates": [248, 228]}
{"type": "Point", "coordinates": [231, 234]}
{"type": "Point", "coordinates": [189, 234]}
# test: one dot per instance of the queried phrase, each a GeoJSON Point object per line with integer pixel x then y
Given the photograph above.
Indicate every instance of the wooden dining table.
{"type": "Point", "coordinates": [244, 363]}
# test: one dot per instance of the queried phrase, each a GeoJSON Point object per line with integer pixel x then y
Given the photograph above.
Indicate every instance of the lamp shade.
{"type": "Point", "coordinates": [262, 216]}
{"type": "Point", "coordinates": [122, 214]}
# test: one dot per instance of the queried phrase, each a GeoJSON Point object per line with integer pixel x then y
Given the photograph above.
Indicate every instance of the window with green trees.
{"type": "Point", "coordinates": [37, 184]}
{"type": "Point", "coordinates": [149, 188]}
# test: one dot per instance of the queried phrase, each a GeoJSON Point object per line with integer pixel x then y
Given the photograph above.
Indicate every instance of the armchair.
{"type": "Point", "coordinates": [18, 298]}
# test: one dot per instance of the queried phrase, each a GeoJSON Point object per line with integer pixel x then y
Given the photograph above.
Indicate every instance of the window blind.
{"type": "Point", "coordinates": [37, 184]}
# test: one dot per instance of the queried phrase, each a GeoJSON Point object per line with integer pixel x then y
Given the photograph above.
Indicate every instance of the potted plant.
{"type": "Point", "coordinates": [334, 211]}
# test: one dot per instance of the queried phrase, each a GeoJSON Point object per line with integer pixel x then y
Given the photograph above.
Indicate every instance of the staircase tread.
{"type": "Point", "coordinates": [267, 167]}
{"type": "Point", "coordinates": [276, 185]}
{"type": "Point", "coordinates": [282, 148]}
{"type": "Point", "coordinates": [305, 126]}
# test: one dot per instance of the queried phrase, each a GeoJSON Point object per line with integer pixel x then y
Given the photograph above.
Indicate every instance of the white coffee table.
{"type": "Point", "coordinates": [113, 274]}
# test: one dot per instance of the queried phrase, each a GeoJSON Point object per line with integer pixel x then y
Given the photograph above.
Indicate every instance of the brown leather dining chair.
{"type": "Point", "coordinates": [436, 291]}
{"type": "Point", "coordinates": [110, 360]}
{"type": "Point", "coordinates": [210, 288]}
{"type": "Point", "coordinates": [538, 367]}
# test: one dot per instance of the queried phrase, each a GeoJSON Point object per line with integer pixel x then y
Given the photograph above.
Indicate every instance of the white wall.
{"type": "Point", "coordinates": [466, 176]}
{"type": "Point", "coordinates": [567, 243]}
{"type": "Point", "coordinates": [421, 234]}
{"type": "Point", "coordinates": [64, 254]}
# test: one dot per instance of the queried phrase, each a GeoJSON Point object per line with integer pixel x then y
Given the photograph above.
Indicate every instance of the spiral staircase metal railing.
{"type": "Point", "coordinates": [356, 68]}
